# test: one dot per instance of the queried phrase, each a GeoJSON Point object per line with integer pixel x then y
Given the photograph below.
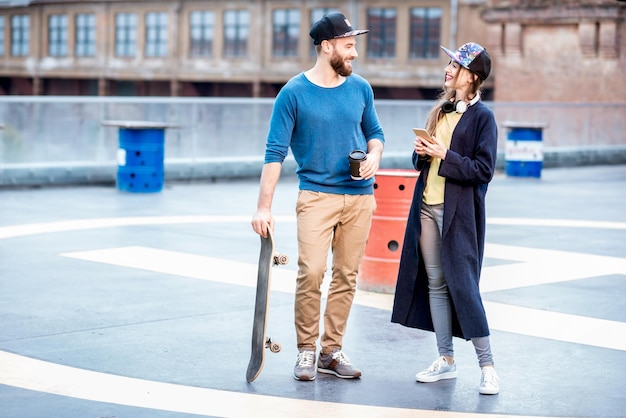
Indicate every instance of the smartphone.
{"type": "Point", "coordinates": [423, 133]}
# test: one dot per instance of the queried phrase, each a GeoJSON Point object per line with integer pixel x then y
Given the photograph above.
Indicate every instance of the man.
{"type": "Point", "coordinates": [323, 114]}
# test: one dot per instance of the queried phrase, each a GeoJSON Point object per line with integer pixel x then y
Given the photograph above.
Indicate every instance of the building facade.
{"type": "Point", "coordinates": [214, 48]}
{"type": "Point", "coordinates": [251, 48]}
{"type": "Point", "coordinates": [558, 50]}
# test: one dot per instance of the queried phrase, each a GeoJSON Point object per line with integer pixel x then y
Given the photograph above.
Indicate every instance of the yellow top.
{"type": "Point", "coordinates": [435, 184]}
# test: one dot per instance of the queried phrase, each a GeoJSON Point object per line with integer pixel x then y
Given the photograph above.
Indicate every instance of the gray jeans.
{"type": "Point", "coordinates": [431, 218]}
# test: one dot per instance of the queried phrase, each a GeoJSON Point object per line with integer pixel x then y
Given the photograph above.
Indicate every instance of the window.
{"type": "Point", "coordinates": [285, 32]}
{"type": "Point", "coordinates": [317, 14]}
{"type": "Point", "coordinates": [85, 35]}
{"type": "Point", "coordinates": [1, 35]}
{"type": "Point", "coordinates": [125, 34]}
{"type": "Point", "coordinates": [320, 12]}
{"type": "Point", "coordinates": [20, 35]}
{"type": "Point", "coordinates": [381, 42]}
{"type": "Point", "coordinates": [201, 33]}
{"type": "Point", "coordinates": [57, 35]}
{"type": "Point", "coordinates": [156, 34]}
{"type": "Point", "coordinates": [425, 32]}
{"type": "Point", "coordinates": [236, 32]}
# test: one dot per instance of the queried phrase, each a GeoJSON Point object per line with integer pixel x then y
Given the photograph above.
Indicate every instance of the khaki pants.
{"type": "Point", "coordinates": [322, 217]}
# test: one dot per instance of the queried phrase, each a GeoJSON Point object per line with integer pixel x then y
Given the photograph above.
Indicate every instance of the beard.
{"type": "Point", "coordinates": [340, 65]}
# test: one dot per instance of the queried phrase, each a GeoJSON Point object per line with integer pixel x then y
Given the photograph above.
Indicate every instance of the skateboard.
{"type": "Point", "coordinates": [268, 258]}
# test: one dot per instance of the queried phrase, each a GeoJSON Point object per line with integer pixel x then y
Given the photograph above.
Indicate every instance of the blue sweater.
{"type": "Point", "coordinates": [322, 125]}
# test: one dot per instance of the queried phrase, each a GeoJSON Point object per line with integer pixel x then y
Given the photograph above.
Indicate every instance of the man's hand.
{"type": "Point", "coordinates": [370, 166]}
{"type": "Point", "coordinates": [262, 220]}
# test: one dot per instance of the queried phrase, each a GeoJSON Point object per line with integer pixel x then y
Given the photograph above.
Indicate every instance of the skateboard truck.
{"type": "Point", "coordinates": [280, 259]}
{"type": "Point", "coordinates": [274, 346]}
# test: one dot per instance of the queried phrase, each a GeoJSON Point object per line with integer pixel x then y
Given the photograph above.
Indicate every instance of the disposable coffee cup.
{"type": "Point", "coordinates": [356, 157]}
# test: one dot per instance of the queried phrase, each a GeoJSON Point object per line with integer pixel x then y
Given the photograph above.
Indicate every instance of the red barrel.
{"type": "Point", "coordinates": [393, 191]}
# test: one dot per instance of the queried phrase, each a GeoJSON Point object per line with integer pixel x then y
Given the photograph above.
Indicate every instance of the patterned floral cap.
{"type": "Point", "coordinates": [473, 57]}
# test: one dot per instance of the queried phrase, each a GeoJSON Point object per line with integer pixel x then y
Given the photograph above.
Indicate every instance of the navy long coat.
{"type": "Point", "coordinates": [468, 168]}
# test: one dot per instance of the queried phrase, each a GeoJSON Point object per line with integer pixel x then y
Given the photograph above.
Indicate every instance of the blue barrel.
{"type": "Point", "coordinates": [524, 149]}
{"type": "Point", "coordinates": [140, 160]}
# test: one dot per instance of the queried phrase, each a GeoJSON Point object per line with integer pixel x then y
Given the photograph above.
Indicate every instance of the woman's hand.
{"type": "Point", "coordinates": [420, 149]}
{"type": "Point", "coordinates": [435, 149]}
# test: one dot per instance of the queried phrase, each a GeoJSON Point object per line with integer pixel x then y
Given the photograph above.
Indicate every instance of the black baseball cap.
{"type": "Point", "coordinates": [333, 26]}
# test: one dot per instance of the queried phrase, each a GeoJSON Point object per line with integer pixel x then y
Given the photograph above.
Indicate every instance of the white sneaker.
{"type": "Point", "coordinates": [437, 371]}
{"type": "Point", "coordinates": [489, 381]}
{"type": "Point", "coordinates": [305, 366]}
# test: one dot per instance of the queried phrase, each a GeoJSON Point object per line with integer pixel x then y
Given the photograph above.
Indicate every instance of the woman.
{"type": "Point", "coordinates": [437, 288]}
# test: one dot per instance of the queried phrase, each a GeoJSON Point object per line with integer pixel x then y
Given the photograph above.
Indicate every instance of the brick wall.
{"type": "Point", "coordinates": [563, 51]}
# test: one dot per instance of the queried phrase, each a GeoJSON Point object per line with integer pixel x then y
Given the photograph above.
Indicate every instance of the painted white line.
{"type": "Point", "coordinates": [81, 224]}
{"type": "Point", "coordinates": [558, 223]}
{"type": "Point", "coordinates": [531, 322]}
{"type": "Point", "coordinates": [41, 376]}
{"type": "Point", "coordinates": [535, 266]}
{"type": "Point", "coordinates": [508, 318]}
{"type": "Point", "coordinates": [188, 265]}
{"type": "Point", "coordinates": [557, 326]}
{"type": "Point", "coordinates": [23, 372]}
{"type": "Point", "coordinates": [97, 223]}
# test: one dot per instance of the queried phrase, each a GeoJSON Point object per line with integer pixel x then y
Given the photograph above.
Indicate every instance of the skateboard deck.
{"type": "Point", "coordinates": [267, 259]}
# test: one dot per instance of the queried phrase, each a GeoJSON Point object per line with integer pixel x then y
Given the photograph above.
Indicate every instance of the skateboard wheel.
{"type": "Point", "coordinates": [273, 345]}
{"type": "Point", "coordinates": [281, 259]}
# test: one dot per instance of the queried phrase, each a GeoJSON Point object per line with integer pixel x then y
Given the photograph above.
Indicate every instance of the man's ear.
{"type": "Point", "coordinates": [326, 46]}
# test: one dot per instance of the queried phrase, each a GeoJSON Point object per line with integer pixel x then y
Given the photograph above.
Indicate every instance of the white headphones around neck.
{"type": "Point", "coordinates": [459, 106]}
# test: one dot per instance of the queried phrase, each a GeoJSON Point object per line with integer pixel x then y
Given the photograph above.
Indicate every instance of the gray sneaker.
{"type": "Point", "coordinates": [305, 366]}
{"type": "Point", "coordinates": [337, 363]}
{"type": "Point", "coordinates": [489, 382]}
{"type": "Point", "coordinates": [440, 369]}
